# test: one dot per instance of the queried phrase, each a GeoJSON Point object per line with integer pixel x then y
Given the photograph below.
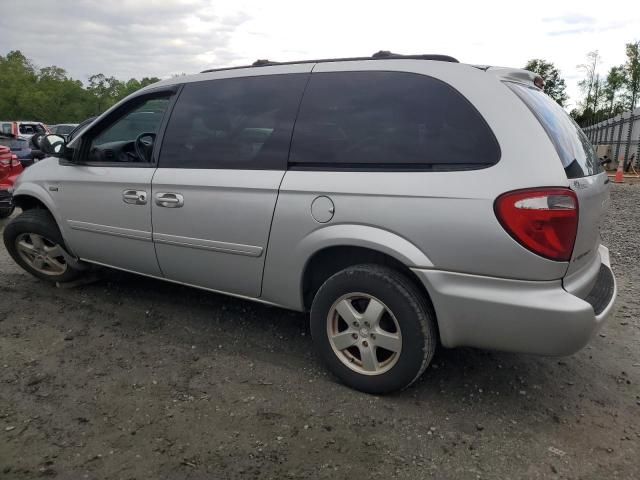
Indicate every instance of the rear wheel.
{"type": "Point", "coordinates": [34, 241]}
{"type": "Point", "coordinates": [374, 328]}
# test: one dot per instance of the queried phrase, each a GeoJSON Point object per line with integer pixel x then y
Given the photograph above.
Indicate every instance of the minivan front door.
{"type": "Point", "coordinates": [104, 197]}
{"type": "Point", "coordinates": [223, 157]}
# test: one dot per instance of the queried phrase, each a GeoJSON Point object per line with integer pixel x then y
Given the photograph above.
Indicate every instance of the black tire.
{"type": "Point", "coordinates": [39, 222]}
{"type": "Point", "coordinates": [6, 212]}
{"type": "Point", "coordinates": [411, 309]}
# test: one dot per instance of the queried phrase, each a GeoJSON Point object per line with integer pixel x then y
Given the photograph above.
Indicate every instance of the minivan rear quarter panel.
{"type": "Point", "coordinates": [446, 215]}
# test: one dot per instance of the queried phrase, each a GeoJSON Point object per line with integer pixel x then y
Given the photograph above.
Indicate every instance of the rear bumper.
{"type": "Point", "coordinates": [516, 315]}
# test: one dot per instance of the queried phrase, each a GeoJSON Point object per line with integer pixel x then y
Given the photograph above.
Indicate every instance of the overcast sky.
{"type": "Point", "coordinates": [136, 38]}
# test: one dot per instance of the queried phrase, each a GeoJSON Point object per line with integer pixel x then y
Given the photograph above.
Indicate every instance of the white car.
{"type": "Point", "coordinates": [23, 128]}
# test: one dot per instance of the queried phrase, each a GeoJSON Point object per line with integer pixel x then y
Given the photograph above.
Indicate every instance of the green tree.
{"type": "Point", "coordinates": [554, 84]}
{"type": "Point", "coordinates": [133, 84]}
{"type": "Point", "coordinates": [597, 93]}
{"type": "Point", "coordinates": [106, 91]}
{"type": "Point", "coordinates": [590, 85]}
{"type": "Point", "coordinates": [17, 80]}
{"type": "Point", "coordinates": [58, 98]}
{"type": "Point", "coordinates": [50, 95]}
{"type": "Point", "coordinates": [632, 73]}
{"type": "Point", "coordinates": [614, 83]}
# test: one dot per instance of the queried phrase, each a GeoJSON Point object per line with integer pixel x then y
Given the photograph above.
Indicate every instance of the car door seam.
{"type": "Point", "coordinates": [284, 173]}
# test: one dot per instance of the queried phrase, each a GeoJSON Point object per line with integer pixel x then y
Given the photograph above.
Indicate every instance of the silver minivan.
{"type": "Point", "coordinates": [404, 201]}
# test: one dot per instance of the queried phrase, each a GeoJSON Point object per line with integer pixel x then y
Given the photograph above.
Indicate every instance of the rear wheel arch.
{"type": "Point", "coordinates": [379, 349]}
{"type": "Point", "coordinates": [330, 260]}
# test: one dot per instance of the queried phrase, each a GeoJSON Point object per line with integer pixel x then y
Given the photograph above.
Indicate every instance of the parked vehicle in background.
{"type": "Point", "coordinates": [23, 129]}
{"type": "Point", "coordinates": [10, 169]}
{"type": "Point", "coordinates": [404, 201]}
{"type": "Point", "coordinates": [72, 134]}
{"type": "Point", "coordinates": [23, 148]}
{"type": "Point", "coordinates": [63, 129]}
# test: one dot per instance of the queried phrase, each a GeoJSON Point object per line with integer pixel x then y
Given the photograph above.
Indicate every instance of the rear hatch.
{"type": "Point", "coordinates": [580, 162]}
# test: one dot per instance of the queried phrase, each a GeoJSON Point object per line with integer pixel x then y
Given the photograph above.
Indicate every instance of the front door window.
{"type": "Point", "coordinates": [130, 139]}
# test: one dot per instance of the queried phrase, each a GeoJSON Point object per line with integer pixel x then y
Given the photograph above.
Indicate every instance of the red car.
{"type": "Point", "coordinates": [10, 168]}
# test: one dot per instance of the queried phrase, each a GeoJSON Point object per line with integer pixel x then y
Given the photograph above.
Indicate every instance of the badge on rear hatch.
{"type": "Point", "coordinates": [578, 185]}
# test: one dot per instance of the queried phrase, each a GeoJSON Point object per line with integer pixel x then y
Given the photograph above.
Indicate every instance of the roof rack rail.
{"type": "Point", "coordinates": [380, 55]}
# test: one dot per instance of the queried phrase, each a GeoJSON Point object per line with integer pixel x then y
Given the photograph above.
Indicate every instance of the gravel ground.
{"type": "Point", "coordinates": [132, 378]}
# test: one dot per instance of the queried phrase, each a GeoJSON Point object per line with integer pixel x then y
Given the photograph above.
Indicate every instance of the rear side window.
{"type": "Point", "coordinates": [578, 156]}
{"type": "Point", "coordinates": [31, 128]}
{"type": "Point", "coordinates": [240, 123]}
{"type": "Point", "coordinates": [392, 120]}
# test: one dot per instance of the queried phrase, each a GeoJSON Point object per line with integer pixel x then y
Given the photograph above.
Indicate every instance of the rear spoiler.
{"type": "Point", "coordinates": [517, 75]}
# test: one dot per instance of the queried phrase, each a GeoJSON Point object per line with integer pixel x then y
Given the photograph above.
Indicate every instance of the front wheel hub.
{"type": "Point", "coordinates": [41, 254]}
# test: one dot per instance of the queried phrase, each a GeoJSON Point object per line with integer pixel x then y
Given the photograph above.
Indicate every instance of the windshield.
{"type": "Point", "coordinates": [578, 156]}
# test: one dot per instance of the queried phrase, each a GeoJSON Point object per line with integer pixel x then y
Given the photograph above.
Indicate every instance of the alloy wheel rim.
{"type": "Point", "coordinates": [43, 255]}
{"type": "Point", "coordinates": [364, 333]}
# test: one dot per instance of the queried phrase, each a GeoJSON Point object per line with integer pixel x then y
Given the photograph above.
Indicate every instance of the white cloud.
{"type": "Point", "coordinates": [134, 38]}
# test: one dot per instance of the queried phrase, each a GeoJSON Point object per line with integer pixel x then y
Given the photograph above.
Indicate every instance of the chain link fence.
{"type": "Point", "coordinates": [618, 138]}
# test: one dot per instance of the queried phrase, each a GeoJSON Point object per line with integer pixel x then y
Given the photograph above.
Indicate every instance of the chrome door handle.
{"type": "Point", "coordinates": [169, 200]}
{"type": "Point", "coordinates": [135, 197]}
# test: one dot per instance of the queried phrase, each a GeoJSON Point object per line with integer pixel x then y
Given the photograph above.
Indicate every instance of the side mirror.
{"type": "Point", "coordinates": [53, 145]}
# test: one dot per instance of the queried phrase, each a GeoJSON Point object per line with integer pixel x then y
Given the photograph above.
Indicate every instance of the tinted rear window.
{"type": "Point", "coordinates": [576, 152]}
{"type": "Point", "coordinates": [392, 120]}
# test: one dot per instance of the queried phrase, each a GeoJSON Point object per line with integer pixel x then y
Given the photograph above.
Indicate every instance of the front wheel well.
{"type": "Point", "coordinates": [329, 261]}
{"type": "Point", "coordinates": [27, 202]}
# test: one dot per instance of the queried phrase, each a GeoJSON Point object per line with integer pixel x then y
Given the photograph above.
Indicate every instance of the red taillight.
{"type": "Point", "coordinates": [5, 157]}
{"type": "Point", "coordinates": [544, 220]}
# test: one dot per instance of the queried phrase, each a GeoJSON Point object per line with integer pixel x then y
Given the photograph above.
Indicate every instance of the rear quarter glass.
{"type": "Point", "coordinates": [576, 152]}
{"type": "Point", "coordinates": [389, 120]}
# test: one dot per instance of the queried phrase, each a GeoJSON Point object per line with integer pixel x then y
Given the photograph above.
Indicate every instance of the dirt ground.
{"type": "Point", "coordinates": [132, 378]}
